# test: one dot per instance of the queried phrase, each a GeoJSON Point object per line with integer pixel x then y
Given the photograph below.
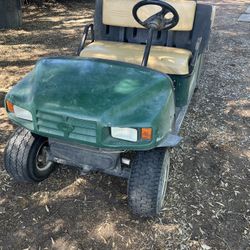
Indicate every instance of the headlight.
{"type": "Point", "coordinates": [22, 113]}
{"type": "Point", "coordinates": [19, 112]}
{"type": "Point", "coordinates": [127, 134]}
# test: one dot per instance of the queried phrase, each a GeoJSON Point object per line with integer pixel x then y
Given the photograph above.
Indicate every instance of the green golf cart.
{"type": "Point", "coordinates": [116, 107]}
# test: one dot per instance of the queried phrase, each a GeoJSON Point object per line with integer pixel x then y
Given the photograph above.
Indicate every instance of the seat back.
{"type": "Point", "coordinates": [119, 13]}
{"type": "Point", "coordinates": [195, 22]}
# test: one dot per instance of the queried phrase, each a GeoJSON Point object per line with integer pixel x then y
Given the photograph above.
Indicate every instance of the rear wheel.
{"type": "Point", "coordinates": [26, 157]}
{"type": "Point", "coordinates": [148, 182]}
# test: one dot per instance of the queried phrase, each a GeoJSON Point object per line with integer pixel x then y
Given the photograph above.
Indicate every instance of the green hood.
{"type": "Point", "coordinates": [105, 92]}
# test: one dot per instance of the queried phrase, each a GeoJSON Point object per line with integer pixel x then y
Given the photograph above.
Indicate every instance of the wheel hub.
{"type": "Point", "coordinates": [42, 158]}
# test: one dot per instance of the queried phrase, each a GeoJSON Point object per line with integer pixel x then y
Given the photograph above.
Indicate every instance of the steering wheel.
{"type": "Point", "coordinates": [158, 21]}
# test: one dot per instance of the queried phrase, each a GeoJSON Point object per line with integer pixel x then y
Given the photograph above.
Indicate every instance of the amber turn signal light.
{"type": "Point", "coordinates": [10, 106]}
{"type": "Point", "coordinates": [146, 133]}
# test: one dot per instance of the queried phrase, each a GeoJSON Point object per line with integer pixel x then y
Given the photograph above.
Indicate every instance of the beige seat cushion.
{"type": "Point", "coordinates": [119, 13]}
{"type": "Point", "coordinates": [165, 59]}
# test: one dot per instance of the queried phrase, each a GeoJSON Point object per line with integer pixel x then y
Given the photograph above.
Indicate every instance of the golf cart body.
{"type": "Point", "coordinates": [95, 106]}
{"type": "Point", "coordinates": [88, 117]}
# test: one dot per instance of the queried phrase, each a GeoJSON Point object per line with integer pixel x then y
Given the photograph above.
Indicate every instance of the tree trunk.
{"type": "Point", "coordinates": [39, 3]}
{"type": "Point", "coordinates": [10, 14]}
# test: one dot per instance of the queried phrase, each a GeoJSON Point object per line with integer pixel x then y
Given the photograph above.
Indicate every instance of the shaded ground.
{"type": "Point", "coordinates": [207, 206]}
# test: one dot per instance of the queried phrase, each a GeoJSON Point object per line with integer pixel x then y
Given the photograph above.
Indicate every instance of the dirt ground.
{"type": "Point", "coordinates": [207, 206]}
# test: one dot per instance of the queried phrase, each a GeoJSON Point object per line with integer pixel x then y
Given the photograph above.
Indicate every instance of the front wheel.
{"type": "Point", "coordinates": [148, 182]}
{"type": "Point", "coordinates": [26, 157]}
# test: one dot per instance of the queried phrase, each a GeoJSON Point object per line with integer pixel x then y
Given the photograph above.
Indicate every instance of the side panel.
{"type": "Point", "coordinates": [185, 85]}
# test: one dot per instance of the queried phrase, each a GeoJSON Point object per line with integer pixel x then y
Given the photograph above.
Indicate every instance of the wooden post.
{"type": "Point", "coordinates": [10, 14]}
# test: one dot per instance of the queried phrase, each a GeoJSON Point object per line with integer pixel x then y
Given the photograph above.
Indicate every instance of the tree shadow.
{"type": "Point", "coordinates": [65, 206]}
{"type": "Point", "coordinates": [19, 63]}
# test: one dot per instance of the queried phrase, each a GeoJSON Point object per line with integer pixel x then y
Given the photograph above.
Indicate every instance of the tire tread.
{"type": "Point", "coordinates": [18, 155]}
{"type": "Point", "coordinates": [144, 182]}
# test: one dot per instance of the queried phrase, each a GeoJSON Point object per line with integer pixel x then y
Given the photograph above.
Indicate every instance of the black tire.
{"type": "Point", "coordinates": [22, 157]}
{"type": "Point", "coordinates": [148, 182]}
